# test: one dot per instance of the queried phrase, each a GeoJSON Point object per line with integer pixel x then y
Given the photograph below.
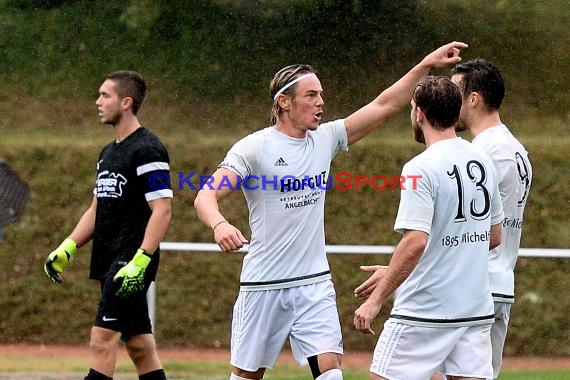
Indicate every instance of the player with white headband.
{"type": "Point", "coordinates": [282, 89]}
{"type": "Point", "coordinates": [285, 286]}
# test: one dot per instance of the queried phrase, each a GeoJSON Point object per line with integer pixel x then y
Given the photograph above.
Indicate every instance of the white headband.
{"type": "Point", "coordinates": [282, 89]}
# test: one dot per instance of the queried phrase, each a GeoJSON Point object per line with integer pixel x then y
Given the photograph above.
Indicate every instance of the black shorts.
{"type": "Point", "coordinates": [127, 316]}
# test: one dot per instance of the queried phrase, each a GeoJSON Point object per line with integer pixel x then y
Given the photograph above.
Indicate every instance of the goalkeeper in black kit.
{"type": "Point", "coordinates": [128, 217]}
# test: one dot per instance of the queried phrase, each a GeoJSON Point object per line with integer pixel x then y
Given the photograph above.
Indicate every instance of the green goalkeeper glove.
{"type": "Point", "coordinates": [58, 259]}
{"type": "Point", "coordinates": [132, 275]}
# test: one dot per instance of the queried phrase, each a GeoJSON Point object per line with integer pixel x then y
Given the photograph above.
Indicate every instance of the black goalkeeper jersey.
{"type": "Point", "coordinates": [129, 175]}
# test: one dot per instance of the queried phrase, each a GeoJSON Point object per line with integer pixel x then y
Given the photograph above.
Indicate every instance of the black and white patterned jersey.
{"type": "Point", "coordinates": [130, 174]}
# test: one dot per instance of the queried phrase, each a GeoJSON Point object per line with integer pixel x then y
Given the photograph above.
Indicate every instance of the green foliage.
{"type": "Point", "coordinates": [225, 52]}
{"type": "Point", "coordinates": [514, 35]}
{"type": "Point", "coordinates": [186, 44]}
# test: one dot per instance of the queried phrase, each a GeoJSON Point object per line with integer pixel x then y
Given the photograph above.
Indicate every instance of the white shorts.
{"type": "Point", "coordinates": [499, 334]}
{"type": "Point", "coordinates": [405, 352]}
{"type": "Point", "coordinates": [263, 320]}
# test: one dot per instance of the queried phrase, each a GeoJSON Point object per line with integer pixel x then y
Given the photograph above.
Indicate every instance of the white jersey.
{"type": "Point", "coordinates": [284, 180]}
{"type": "Point", "coordinates": [456, 201]}
{"type": "Point", "coordinates": [515, 175]}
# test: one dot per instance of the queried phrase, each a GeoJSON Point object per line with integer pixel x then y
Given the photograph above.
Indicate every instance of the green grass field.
{"type": "Point", "coordinates": [48, 367]}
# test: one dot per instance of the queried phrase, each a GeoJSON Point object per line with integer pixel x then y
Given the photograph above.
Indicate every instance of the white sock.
{"type": "Point", "coordinates": [331, 374]}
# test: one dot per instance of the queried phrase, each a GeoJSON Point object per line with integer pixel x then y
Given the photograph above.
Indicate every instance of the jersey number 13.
{"type": "Point", "coordinates": [477, 174]}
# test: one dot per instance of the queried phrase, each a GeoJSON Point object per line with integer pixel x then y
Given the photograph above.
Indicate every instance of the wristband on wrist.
{"type": "Point", "coordinates": [144, 252]}
{"type": "Point", "coordinates": [217, 224]}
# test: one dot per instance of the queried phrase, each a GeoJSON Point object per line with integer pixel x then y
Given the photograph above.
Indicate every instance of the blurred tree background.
{"type": "Point", "coordinates": [225, 51]}
{"type": "Point", "coordinates": [208, 65]}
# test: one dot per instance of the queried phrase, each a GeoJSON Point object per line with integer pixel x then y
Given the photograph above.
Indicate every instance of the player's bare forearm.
{"type": "Point", "coordinates": [404, 259]}
{"type": "Point", "coordinates": [207, 209]}
{"type": "Point", "coordinates": [397, 96]}
{"type": "Point", "coordinates": [496, 231]}
{"type": "Point", "coordinates": [363, 291]}
{"type": "Point", "coordinates": [157, 225]}
{"type": "Point", "coordinates": [393, 99]}
{"type": "Point", "coordinates": [227, 236]}
{"type": "Point", "coordinates": [206, 202]}
{"type": "Point", "coordinates": [83, 231]}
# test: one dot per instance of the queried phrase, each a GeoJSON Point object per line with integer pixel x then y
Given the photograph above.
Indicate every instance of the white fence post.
{"type": "Point", "coordinates": [151, 300]}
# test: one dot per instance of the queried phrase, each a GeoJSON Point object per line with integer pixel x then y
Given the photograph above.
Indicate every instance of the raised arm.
{"type": "Point", "coordinates": [394, 98]}
{"type": "Point", "coordinates": [226, 235]}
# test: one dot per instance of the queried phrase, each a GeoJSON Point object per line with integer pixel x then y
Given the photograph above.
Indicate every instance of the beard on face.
{"type": "Point", "coordinates": [113, 119]}
{"type": "Point", "coordinates": [419, 134]}
{"type": "Point", "coordinates": [460, 126]}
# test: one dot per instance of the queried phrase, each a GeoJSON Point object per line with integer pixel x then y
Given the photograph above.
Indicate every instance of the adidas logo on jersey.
{"type": "Point", "coordinates": [280, 162]}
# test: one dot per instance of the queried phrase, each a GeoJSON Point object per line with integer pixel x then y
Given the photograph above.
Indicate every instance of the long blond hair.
{"type": "Point", "coordinates": [281, 79]}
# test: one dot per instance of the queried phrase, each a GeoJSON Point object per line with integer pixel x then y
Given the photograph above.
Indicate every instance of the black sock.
{"type": "Point", "coordinates": [154, 375]}
{"type": "Point", "coordinates": [94, 375]}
